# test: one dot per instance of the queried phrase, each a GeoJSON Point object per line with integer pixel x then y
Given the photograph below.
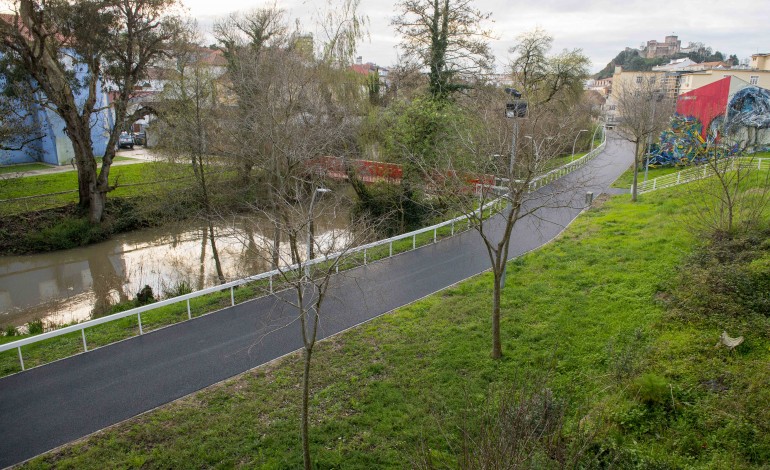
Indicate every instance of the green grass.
{"type": "Point", "coordinates": [21, 168]}
{"type": "Point", "coordinates": [627, 178]}
{"type": "Point", "coordinates": [583, 308]}
{"type": "Point", "coordinates": [122, 176]}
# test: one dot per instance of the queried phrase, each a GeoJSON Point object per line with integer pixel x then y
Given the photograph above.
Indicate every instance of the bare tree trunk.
{"type": "Point", "coordinates": [497, 347]}
{"type": "Point", "coordinates": [202, 270]}
{"type": "Point", "coordinates": [308, 353]}
{"type": "Point", "coordinates": [634, 188]}
{"type": "Point", "coordinates": [215, 253]}
{"type": "Point", "coordinates": [276, 245]}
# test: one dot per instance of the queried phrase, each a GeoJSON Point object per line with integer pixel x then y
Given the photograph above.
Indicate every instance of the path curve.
{"type": "Point", "coordinates": [51, 405]}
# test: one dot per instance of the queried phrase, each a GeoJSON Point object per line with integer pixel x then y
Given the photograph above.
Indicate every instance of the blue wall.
{"type": "Point", "coordinates": [55, 148]}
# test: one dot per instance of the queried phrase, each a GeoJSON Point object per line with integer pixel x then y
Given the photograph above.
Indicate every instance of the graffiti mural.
{"type": "Point", "coordinates": [682, 144]}
{"type": "Point", "coordinates": [749, 107]}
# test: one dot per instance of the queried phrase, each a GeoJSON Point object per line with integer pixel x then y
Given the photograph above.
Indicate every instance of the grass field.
{"type": "Point", "coordinates": [5, 169]}
{"type": "Point", "coordinates": [66, 182]}
{"type": "Point", "coordinates": [584, 313]}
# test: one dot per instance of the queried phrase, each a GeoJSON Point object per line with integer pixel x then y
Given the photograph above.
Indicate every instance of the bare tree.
{"type": "Point", "coordinates": [644, 110]}
{"type": "Point", "coordinates": [188, 110]}
{"type": "Point", "coordinates": [504, 160]}
{"type": "Point", "coordinates": [542, 77]}
{"type": "Point", "coordinates": [735, 196]}
{"type": "Point", "coordinates": [448, 38]}
{"type": "Point", "coordinates": [308, 277]}
{"type": "Point", "coordinates": [289, 108]}
{"type": "Point", "coordinates": [110, 44]}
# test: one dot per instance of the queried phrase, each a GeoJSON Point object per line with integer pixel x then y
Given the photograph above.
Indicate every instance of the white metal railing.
{"type": "Point", "coordinates": [699, 172]}
{"type": "Point", "coordinates": [138, 311]}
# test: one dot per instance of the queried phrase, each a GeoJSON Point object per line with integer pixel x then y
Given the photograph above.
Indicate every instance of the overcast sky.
{"type": "Point", "coordinates": [602, 28]}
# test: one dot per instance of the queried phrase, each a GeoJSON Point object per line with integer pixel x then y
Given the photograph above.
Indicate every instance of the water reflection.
{"type": "Point", "coordinates": [74, 285]}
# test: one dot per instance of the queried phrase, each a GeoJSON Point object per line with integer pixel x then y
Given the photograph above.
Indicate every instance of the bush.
{"type": "Point", "coordinates": [729, 278]}
{"type": "Point", "coordinates": [652, 390]}
{"type": "Point", "coordinates": [180, 288]}
{"type": "Point", "coordinates": [11, 330]}
{"type": "Point", "coordinates": [35, 327]}
{"type": "Point", "coordinates": [67, 233]}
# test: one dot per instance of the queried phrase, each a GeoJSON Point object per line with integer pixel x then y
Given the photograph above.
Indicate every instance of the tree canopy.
{"type": "Point", "coordinates": [448, 37]}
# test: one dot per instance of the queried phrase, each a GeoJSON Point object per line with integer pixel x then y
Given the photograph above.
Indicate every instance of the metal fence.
{"type": "Point", "coordinates": [463, 221]}
{"type": "Point", "coordinates": [699, 172]}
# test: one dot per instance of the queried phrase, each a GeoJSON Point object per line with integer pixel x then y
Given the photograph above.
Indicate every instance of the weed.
{"type": "Point", "coordinates": [35, 327]}
{"type": "Point", "coordinates": [180, 288]}
{"type": "Point", "coordinates": [652, 389]}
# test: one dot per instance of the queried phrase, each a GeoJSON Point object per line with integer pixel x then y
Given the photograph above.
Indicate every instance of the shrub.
{"type": "Point", "coordinates": [145, 296]}
{"type": "Point", "coordinates": [67, 233]}
{"type": "Point", "coordinates": [11, 330]}
{"type": "Point", "coordinates": [35, 327]}
{"type": "Point", "coordinates": [180, 288]}
{"type": "Point", "coordinates": [652, 389]}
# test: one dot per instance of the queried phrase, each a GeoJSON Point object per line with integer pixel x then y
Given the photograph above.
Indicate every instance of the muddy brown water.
{"type": "Point", "coordinates": [75, 285]}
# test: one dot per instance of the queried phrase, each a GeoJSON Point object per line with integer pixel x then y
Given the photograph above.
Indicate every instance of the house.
{"type": "Point", "coordinates": [368, 68]}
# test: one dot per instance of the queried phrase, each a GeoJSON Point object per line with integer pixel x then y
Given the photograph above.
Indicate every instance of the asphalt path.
{"type": "Point", "coordinates": [48, 406]}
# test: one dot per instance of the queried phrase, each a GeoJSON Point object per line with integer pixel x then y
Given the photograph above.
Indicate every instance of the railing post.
{"type": "Point", "coordinates": [654, 183]}
{"type": "Point", "coordinates": [678, 176]}
{"type": "Point", "coordinates": [232, 296]}
{"type": "Point", "coordinates": [83, 334]}
{"type": "Point", "coordinates": [704, 171]}
{"type": "Point", "coordinates": [453, 226]}
{"type": "Point", "coordinates": [271, 283]}
{"type": "Point", "coordinates": [390, 249]}
{"type": "Point", "coordinates": [21, 359]}
{"type": "Point", "coordinates": [364, 256]}
{"type": "Point", "coordinates": [139, 317]}
{"type": "Point", "coordinates": [434, 235]}
{"type": "Point", "coordinates": [414, 241]}
{"type": "Point", "coordinates": [759, 164]}
{"type": "Point", "coordinates": [189, 311]}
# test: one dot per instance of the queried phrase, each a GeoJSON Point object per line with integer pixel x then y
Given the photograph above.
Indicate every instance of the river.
{"type": "Point", "coordinates": [75, 285]}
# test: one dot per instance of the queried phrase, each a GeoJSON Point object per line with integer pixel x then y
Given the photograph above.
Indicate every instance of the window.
{"type": "Point", "coordinates": [652, 80]}
{"type": "Point", "coordinates": [754, 79]}
{"type": "Point", "coordinates": [639, 79]}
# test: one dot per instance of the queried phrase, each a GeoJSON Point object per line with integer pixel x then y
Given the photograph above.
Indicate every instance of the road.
{"type": "Point", "coordinates": [51, 405]}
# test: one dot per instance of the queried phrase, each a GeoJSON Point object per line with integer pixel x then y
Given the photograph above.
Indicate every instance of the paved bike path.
{"type": "Point", "coordinates": [48, 406]}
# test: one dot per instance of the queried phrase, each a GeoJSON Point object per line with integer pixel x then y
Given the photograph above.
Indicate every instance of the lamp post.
{"type": "Point", "coordinates": [575, 143]}
{"type": "Point", "coordinates": [310, 228]}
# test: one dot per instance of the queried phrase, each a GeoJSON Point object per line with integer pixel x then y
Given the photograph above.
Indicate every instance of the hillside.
{"type": "Point", "coordinates": [630, 60]}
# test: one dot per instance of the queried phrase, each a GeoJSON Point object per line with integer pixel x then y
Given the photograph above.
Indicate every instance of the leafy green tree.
{"type": "Point", "coordinates": [448, 38]}
{"type": "Point", "coordinates": [542, 77]}
{"type": "Point", "coordinates": [109, 42]}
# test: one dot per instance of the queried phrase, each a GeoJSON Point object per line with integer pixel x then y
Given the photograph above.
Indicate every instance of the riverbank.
{"type": "Point", "coordinates": [587, 332]}
{"type": "Point", "coordinates": [39, 213]}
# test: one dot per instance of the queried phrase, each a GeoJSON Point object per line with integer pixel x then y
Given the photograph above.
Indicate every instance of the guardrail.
{"type": "Point", "coordinates": [697, 173]}
{"type": "Point", "coordinates": [334, 257]}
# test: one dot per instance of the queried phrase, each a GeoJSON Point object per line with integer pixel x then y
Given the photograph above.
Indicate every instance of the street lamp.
{"type": "Point", "coordinates": [575, 143]}
{"type": "Point", "coordinates": [310, 228]}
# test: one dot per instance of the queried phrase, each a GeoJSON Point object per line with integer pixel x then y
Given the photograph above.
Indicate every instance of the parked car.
{"type": "Point", "coordinates": [126, 140]}
{"type": "Point", "coordinates": [140, 138]}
